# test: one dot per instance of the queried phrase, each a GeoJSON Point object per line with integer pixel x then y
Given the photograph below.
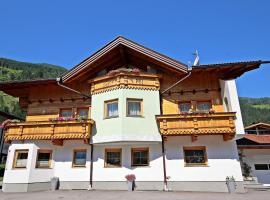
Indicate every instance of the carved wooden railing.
{"type": "Point", "coordinates": [56, 131]}
{"type": "Point", "coordinates": [196, 124]}
{"type": "Point", "coordinates": [125, 80]}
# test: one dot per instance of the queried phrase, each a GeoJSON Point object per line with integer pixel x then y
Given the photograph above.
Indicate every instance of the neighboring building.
{"type": "Point", "coordinates": [131, 110]}
{"type": "Point", "coordinates": [254, 151]}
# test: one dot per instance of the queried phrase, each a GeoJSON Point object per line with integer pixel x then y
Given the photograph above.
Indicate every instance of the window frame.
{"type": "Point", "coordinates": [204, 101]}
{"type": "Point", "coordinates": [50, 159]}
{"type": "Point", "coordinates": [73, 159]}
{"type": "Point", "coordinates": [107, 165]}
{"type": "Point", "coordinates": [134, 100]}
{"type": "Point", "coordinates": [106, 108]}
{"type": "Point", "coordinates": [267, 165]}
{"type": "Point", "coordinates": [195, 148]}
{"type": "Point", "coordinates": [83, 108]}
{"type": "Point", "coordinates": [15, 158]}
{"type": "Point", "coordinates": [184, 102]}
{"type": "Point", "coordinates": [140, 149]}
{"type": "Point", "coordinates": [62, 109]}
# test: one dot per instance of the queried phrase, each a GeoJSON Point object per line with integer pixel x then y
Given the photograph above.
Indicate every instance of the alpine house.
{"type": "Point", "coordinates": [127, 109]}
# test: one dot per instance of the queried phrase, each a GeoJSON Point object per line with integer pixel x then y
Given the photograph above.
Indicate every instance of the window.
{"type": "Point", "coordinates": [140, 157]}
{"type": "Point", "coordinates": [262, 167]}
{"type": "Point", "coordinates": [83, 112]}
{"type": "Point", "coordinates": [67, 112]}
{"type": "Point", "coordinates": [111, 108]}
{"type": "Point", "coordinates": [204, 106]}
{"type": "Point", "coordinates": [44, 159]}
{"type": "Point", "coordinates": [113, 157]}
{"type": "Point", "coordinates": [184, 107]}
{"type": "Point", "coordinates": [20, 159]}
{"type": "Point", "coordinates": [79, 158]}
{"type": "Point", "coordinates": [195, 156]}
{"type": "Point", "coordinates": [134, 107]}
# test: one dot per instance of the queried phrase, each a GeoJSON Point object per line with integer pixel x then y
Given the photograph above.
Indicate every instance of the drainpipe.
{"type": "Point", "coordinates": [59, 82]}
{"type": "Point", "coordinates": [162, 137]}
{"type": "Point", "coordinates": [175, 84]}
{"type": "Point", "coordinates": [1, 143]}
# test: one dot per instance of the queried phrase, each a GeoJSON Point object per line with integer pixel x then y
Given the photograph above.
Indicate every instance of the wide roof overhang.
{"type": "Point", "coordinates": [232, 70]}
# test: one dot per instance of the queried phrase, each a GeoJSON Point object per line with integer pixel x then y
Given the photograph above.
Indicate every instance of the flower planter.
{"type": "Point", "coordinates": [130, 185]}
{"type": "Point", "coordinates": [130, 181]}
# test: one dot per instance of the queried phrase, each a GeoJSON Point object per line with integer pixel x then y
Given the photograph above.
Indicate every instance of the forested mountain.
{"type": "Point", "coordinates": [14, 70]}
{"type": "Point", "coordinates": [253, 109]}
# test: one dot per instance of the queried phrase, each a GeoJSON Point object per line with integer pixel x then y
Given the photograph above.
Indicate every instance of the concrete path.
{"type": "Point", "coordinates": [140, 195]}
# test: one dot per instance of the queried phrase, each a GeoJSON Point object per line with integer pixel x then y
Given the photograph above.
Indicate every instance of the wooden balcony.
{"type": "Point", "coordinates": [125, 80]}
{"type": "Point", "coordinates": [56, 131]}
{"type": "Point", "coordinates": [196, 124]}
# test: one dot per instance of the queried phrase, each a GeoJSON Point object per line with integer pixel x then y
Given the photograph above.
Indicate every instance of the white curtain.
{"type": "Point", "coordinates": [112, 109]}
{"type": "Point", "coordinates": [134, 108]}
{"type": "Point", "coordinates": [21, 162]}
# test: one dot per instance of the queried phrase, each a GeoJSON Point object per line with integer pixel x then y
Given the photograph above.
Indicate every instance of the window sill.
{"type": "Point", "coordinates": [136, 116]}
{"type": "Point", "coordinates": [111, 117]}
{"type": "Point", "coordinates": [141, 166]}
{"type": "Point", "coordinates": [196, 165]}
{"type": "Point", "coordinates": [78, 166]}
{"type": "Point", "coordinates": [43, 168]}
{"type": "Point", "coordinates": [112, 166]}
{"type": "Point", "coordinates": [19, 168]}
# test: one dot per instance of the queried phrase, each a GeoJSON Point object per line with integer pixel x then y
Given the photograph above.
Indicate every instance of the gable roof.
{"type": "Point", "coordinates": [254, 139]}
{"type": "Point", "coordinates": [259, 124]}
{"type": "Point", "coordinates": [123, 44]}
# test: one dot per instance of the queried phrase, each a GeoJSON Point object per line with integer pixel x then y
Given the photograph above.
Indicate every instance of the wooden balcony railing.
{"type": "Point", "coordinates": [125, 80]}
{"type": "Point", "coordinates": [196, 124]}
{"type": "Point", "coordinates": [56, 131]}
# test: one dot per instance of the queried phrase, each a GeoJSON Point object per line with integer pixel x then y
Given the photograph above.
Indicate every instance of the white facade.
{"type": "Point", "coordinates": [126, 133]}
{"type": "Point", "coordinates": [124, 128]}
{"type": "Point", "coordinates": [231, 103]}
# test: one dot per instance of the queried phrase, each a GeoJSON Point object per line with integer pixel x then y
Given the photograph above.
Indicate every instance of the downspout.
{"type": "Point", "coordinates": [59, 82]}
{"type": "Point", "coordinates": [2, 143]}
{"type": "Point", "coordinates": [162, 137]}
{"type": "Point", "coordinates": [175, 84]}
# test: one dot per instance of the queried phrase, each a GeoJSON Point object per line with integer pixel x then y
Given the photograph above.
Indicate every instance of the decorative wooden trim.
{"type": "Point", "coordinates": [106, 165]}
{"type": "Point", "coordinates": [124, 80]}
{"type": "Point", "coordinates": [134, 100]}
{"type": "Point", "coordinates": [15, 157]}
{"type": "Point", "coordinates": [221, 123]}
{"type": "Point", "coordinates": [73, 160]}
{"type": "Point", "coordinates": [136, 150]}
{"type": "Point", "coordinates": [195, 148]}
{"type": "Point", "coordinates": [50, 158]}
{"type": "Point", "coordinates": [58, 142]}
{"type": "Point", "coordinates": [105, 108]}
{"type": "Point", "coordinates": [47, 130]}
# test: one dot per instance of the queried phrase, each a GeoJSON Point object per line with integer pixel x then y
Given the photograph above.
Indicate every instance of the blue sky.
{"type": "Point", "coordinates": [63, 32]}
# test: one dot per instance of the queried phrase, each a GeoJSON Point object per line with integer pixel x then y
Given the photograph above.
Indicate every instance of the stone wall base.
{"type": "Point", "coordinates": [194, 186]}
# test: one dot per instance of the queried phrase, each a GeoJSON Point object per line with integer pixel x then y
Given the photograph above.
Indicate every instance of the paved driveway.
{"type": "Point", "coordinates": [140, 195]}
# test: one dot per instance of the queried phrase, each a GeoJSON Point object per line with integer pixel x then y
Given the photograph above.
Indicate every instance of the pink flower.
{"type": "Point", "coordinates": [130, 177]}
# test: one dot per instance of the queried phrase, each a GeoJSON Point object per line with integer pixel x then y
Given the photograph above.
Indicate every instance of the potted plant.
{"type": "Point", "coordinates": [130, 181]}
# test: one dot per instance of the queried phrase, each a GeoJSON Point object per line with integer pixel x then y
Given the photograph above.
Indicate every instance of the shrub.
{"type": "Point", "coordinates": [2, 170]}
